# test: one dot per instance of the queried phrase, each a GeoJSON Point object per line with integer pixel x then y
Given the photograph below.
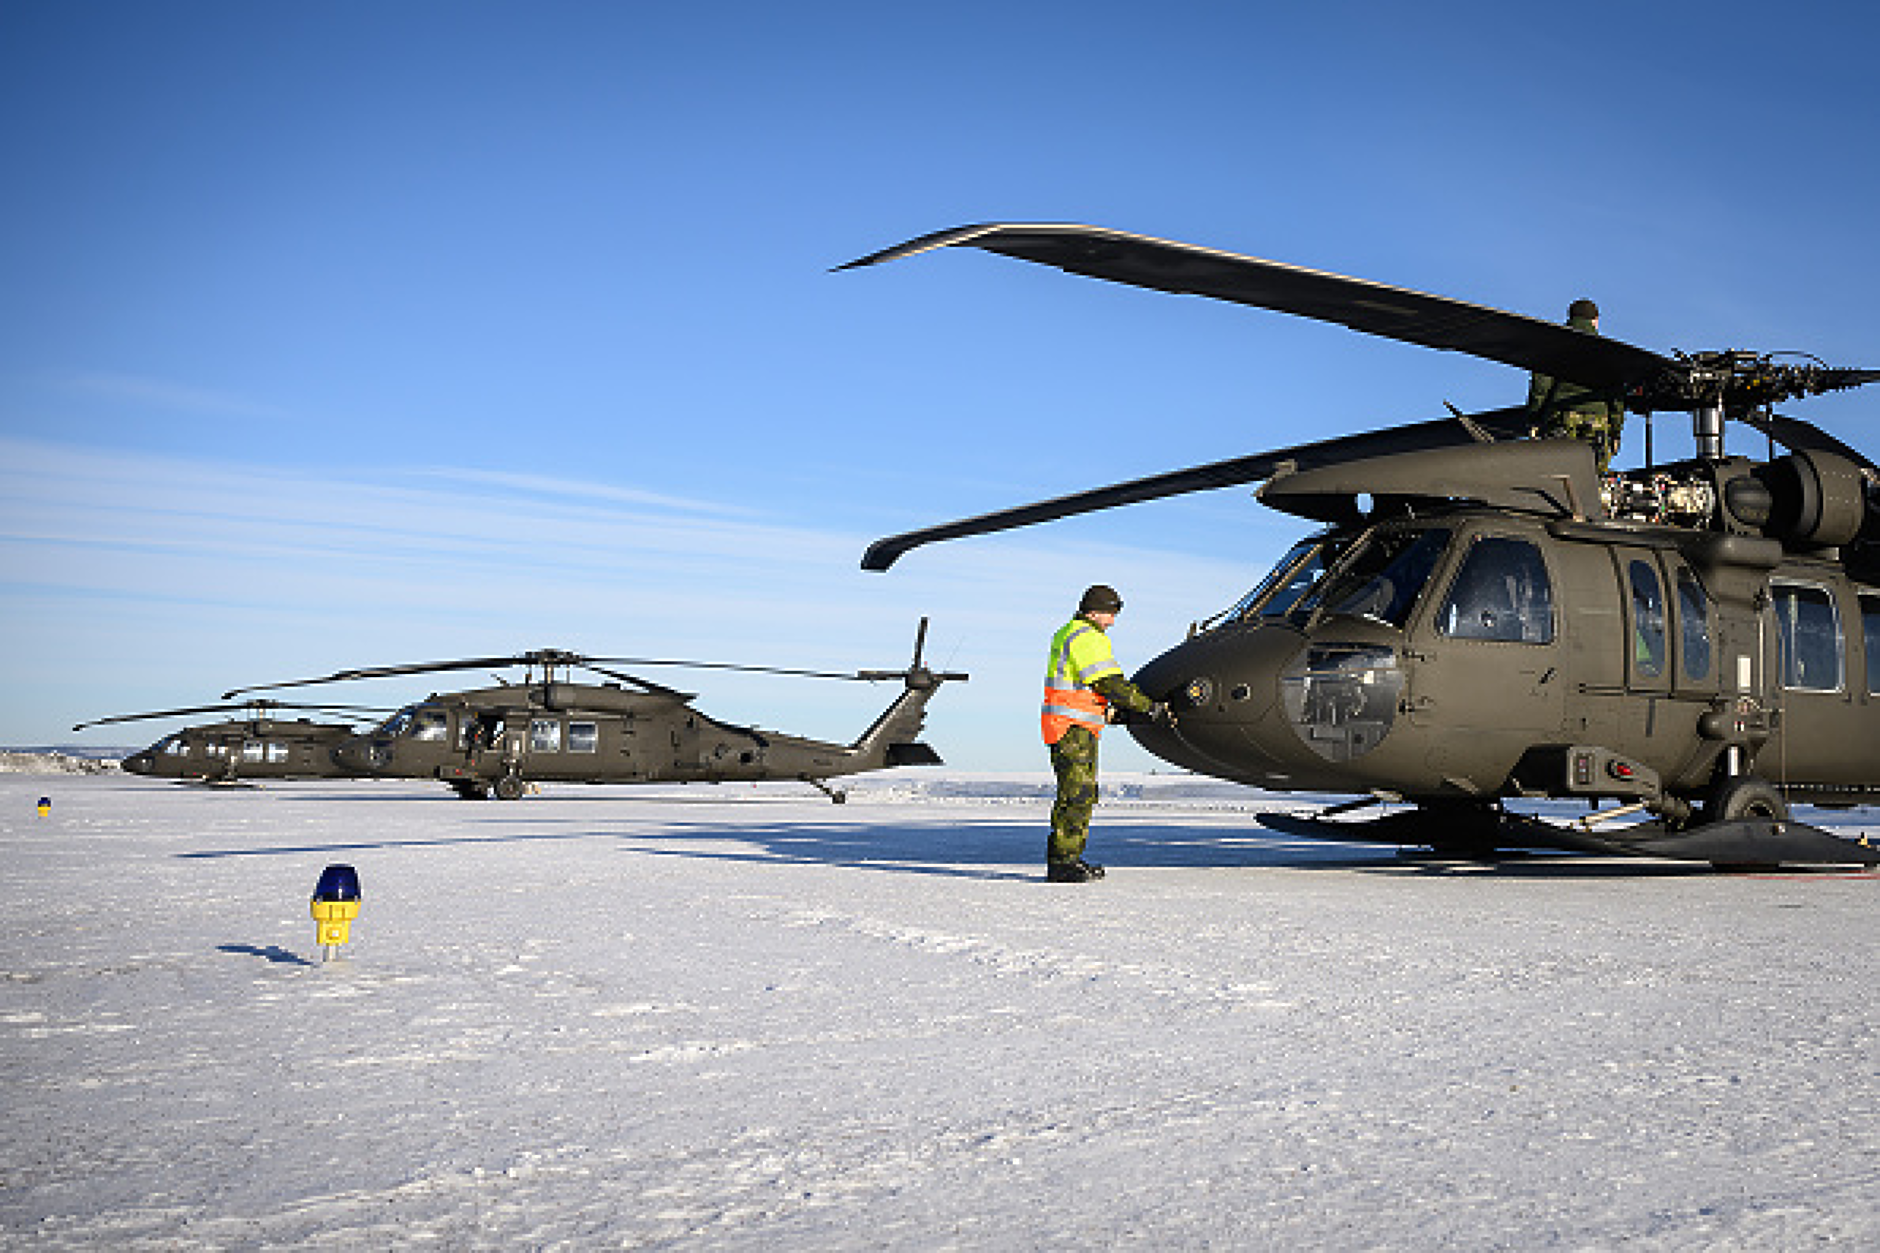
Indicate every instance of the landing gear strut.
{"type": "Point", "coordinates": [836, 795]}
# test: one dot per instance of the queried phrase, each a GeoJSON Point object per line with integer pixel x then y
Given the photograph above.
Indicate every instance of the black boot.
{"type": "Point", "coordinates": [1079, 871]}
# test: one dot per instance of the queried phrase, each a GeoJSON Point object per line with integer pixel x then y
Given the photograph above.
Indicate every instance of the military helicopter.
{"type": "Point", "coordinates": [257, 745]}
{"type": "Point", "coordinates": [1483, 616]}
{"type": "Point", "coordinates": [501, 740]}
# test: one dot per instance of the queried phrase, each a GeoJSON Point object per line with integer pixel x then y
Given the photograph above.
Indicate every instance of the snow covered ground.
{"type": "Point", "coordinates": [745, 1018]}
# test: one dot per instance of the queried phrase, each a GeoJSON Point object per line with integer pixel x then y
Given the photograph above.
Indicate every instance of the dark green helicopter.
{"type": "Point", "coordinates": [1688, 647]}
{"type": "Point", "coordinates": [259, 744]}
{"type": "Point", "coordinates": [500, 740]}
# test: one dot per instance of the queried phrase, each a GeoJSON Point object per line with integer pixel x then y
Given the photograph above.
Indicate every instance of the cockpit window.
{"type": "Point", "coordinates": [1291, 578]}
{"type": "Point", "coordinates": [1381, 580]}
{"type": "Point", "coordinates": [418, 722]}
{"type": "Point", "coordinates": [1501, 593]}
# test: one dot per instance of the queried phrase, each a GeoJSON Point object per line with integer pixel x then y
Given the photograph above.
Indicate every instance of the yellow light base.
{"type": "Point", "coordinates": [334, 919]}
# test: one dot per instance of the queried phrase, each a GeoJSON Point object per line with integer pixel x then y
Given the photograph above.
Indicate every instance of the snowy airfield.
{"type": "Point", "coordinates": [745, 1018]}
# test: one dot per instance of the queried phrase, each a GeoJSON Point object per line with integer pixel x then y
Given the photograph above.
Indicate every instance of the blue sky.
{"type": "Point", "coordinates": [350, 334]}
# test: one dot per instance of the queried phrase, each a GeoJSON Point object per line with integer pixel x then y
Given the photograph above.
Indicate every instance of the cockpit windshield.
{"type": "Point", "coordinates": [1381, 579]}
{"type": "Point", "coordinates": [398, 723]}
{"type": "Point", "coordinates": [1281, 589]}
{"type": "Point", "coordinates": [420, 722]}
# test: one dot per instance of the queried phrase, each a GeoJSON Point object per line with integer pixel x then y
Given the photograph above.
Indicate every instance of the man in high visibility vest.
{"type": "Point", "coordinates": [1082, 684]}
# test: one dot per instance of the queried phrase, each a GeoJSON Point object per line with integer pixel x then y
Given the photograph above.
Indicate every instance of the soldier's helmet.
{"type": "Point", "coordinates": [1100, 598]}
{"type": "Point", "coordinates": [1583, 308]}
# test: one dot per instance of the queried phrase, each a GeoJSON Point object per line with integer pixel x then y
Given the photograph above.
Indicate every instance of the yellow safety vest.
{"type": "Point", "coordinates": [1080, 655]}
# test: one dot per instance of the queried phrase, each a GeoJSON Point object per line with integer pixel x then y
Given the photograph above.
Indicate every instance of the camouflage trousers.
{"type": "Point", "coordinates": [1594, 427]}
{"type": "Point", "coordinates": [1074, 760]}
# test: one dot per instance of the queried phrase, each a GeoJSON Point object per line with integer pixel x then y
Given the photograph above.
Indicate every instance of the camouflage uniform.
{"type": "Point", "coordinates": [1074, 761]}
{"type": "Point", "coordinates": [1083, 684]}
{"type": "Point", "coordinates": [1563, 410]}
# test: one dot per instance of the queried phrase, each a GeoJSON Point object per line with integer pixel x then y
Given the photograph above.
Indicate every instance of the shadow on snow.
{"type": "Point", "coordinates": [929, 841]}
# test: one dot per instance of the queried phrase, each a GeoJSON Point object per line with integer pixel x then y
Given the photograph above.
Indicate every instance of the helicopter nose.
{"type": "Point", "coordinates": [139, 763]}
{"type": "Point", "coordinates": [1224, 689]}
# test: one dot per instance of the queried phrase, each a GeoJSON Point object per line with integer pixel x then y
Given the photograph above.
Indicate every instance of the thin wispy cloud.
{"type": "Point", "coordinates": [170, 396]}
{"type": "Point", "coordinates": [577, 489]}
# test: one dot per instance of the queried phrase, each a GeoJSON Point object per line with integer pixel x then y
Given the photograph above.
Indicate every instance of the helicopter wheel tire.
{"type": "Point", "coordinates": [508, 788]}
{"type": "Point", "coordinates": [1746, 797]}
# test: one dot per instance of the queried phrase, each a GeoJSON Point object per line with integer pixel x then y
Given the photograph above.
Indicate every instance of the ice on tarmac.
{"type": "Point", "coordinates": [744, 1018]}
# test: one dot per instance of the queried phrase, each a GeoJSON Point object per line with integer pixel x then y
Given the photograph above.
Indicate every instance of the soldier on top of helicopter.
{"type": "Point", "coordinates": [1563, 410]}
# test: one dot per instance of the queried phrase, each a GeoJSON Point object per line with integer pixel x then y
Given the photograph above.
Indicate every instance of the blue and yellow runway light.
{"type": "Point", "coordinates": [45, 806]}
{"type": "Point", "coordinates": [335, 905]}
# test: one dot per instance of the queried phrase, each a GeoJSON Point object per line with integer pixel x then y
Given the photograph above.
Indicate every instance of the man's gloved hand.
{"type": "Point", "coordinates": [1159, 713]}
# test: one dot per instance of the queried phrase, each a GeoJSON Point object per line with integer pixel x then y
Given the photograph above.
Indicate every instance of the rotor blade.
{"type": "Point", "coordinates": [645, 685]}
{"type": "Point", "coordinates": [715, 665]}
{"type": "Point", "coordinates": [1374, 308]}
{"type": "Point", "coordinates": [540, 657]}
{"type": "Point", "coordinates": [1438, 433]}
{"type": "Point", "coordinates": [258, 709]}
{"type": "Point", "coordinates": [546, 656]}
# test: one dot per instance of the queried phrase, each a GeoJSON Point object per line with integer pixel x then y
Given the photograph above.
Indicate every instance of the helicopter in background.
{"type": "Point", "coordinates": [257, 745]}
{"type": "Point", "coordinates": [1484, 616]}
{"type": "Point", "coordinates": [501, 740]}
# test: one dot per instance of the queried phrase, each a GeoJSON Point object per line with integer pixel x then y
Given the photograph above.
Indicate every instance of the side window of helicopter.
{"type": "Point", "coordinates": [252, 750]}
{"type": "Point", "coordinates": [1383, 579]}
{"type": "Point", "coordinates": [1808, 633]}
{"type": "Point", "coordinates": [584, 737]}
{"type": "Point", "coordinates": [545, 735]}
{"type": "Point", "coordinates": [1648, 620]}
{"type": "Point", "coordinates": [397, 724]}
{"type": "Point", "coordinates": [431, 724]}
{"type": "Point", "coordinates": [1501, 593]}
{"type": "Point", "coordinates": [176, 746]}
{"type": "Point", "coordinates": [1693, 626]}
{"type": "Point", "coordinates": [277, 752]}
{"type": "Point", "coordinates": [1870, 627]}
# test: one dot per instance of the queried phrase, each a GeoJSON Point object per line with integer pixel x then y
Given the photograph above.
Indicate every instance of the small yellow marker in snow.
{"type": "Point", "coordinates": [335, 905]}
{"type": "Point", "coordinates": [45, 806]}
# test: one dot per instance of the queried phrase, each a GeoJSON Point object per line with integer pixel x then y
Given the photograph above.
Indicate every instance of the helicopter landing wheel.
{"type": "Point", "coordinates": [509, 788]}
{"type": "Point", "coordinates": [1746, 797]}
